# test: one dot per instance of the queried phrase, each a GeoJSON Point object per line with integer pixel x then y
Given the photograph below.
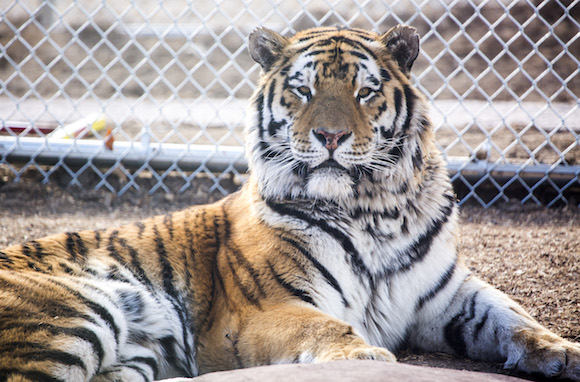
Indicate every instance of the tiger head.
{"type": "Point", "coordinates": [334, 110]}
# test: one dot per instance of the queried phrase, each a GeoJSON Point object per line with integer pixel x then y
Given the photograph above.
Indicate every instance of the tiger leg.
{"type": "Point", "coordinates": [294, 334]}
{"type": "Point", "coordinates": [480, 322]}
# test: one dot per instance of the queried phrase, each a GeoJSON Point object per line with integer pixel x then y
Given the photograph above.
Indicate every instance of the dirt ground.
{"type": "Point", "coordinates": [530, 252]}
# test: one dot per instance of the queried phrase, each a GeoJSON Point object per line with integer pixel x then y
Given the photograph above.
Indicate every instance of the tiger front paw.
{"type": "Point", "coordinates": [361, 351]}
{"type": "Point", "coordinates": [544, 353]}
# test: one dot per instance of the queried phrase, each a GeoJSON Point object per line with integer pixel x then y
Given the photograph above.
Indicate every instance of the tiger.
{"type": "Point", "coordinates": [341, 245]}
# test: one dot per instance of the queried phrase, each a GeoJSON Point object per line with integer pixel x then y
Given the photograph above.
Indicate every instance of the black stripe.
{"type": "Point", "coordinates": [166, 269]}
{"type": "Point", "coordinates": [274, 126]}
{"type": "Point", "coordinates": [136, 263]}
{"type": "Point", "coordinates": [5, 259]}
{"type": "Point", "coordinates": [396, 152]}
{"type": "Point", "coordinates": [98, 238]}
{"type": "Point", "coordinates": [105, 316]}
{"type": "Point", "coordinates": [298, 266]}
{"type": "Point", "coordinates": [237, 354]}
{"type": "Point", "coordinates": [260, 109]}
{"type": "Point", "coordinates": [268, 153]}
{"type": "Point", "coordinates": [141, 229]}
{"type": "Point", "coordinates": [240, 258]}
{"type": "Point", "coordinates": [191, 250]}
{"type": "Point", "coordinates": [42, 306]}
{"type": "Point", "coordinates": [186, 227]}
{"type": "Point", "coordinates": [357, 45]}
{"type": "Point", "coordinates": [372, 79]}
{"type": "Point", "coordinates": [29, 375]}
{"type": "Point", "coordinates": [420, 247]}
{"type": "Point", "coordinates": [138, 370]}
{"type": "Point", "coordinates": [381, 110]}
{"type": "Point", "coordinates": [39, 250]}
{"type": "Point", "coordinates": [321, 268]}
{"type": "Point", "coordinates": [358, 54]}
{"type": "Point", "coordinates": [410, 98]}
{"type": "Point", "coordinates": [149, 361]}
{"type": "Point", "coordinates": [301, 294]}
{"type": "Point", "coordinates": [82, 248]}
{"type": "Point", "coordinates": [100, 310]}
{"type": "Point", "coordinates": [479, 326]}
{"type": "Point", "coordinates": [337, 234]}
{"type": "Point", "coordinates": [168, 345]}
{"type": "Point", "coordinates": [169, 287]}
{"type": "Point", "coordinates": [65, 268]}
{"type": "Point", "coordinates": [15, 346]}
{"type": "Point", "coordinates": [336, 39]}
{"type": "Point", "coordinates": [405, 226]}
{"type": "Point", "coordinates": [242, 261]}
{"type": "Point", "coordinates": [385, 75]}
{"type": "Point", "coordinates": [393, 214]}
{"type": "Point", "coordinates": [168, 223]}
{"type": "Point", "coordinates": [217, 275]}
{"type": "Point", "coordinates": [75, 246]}
{"type": "Point", "coordinates": [284, 71]}
{"type": "Point", "coordinates": [83, 333]}
{"type": "Point", "coordinates": [425, 123]}
{"type": "Point", "coordinates": [54, 356]}
{"type": "Point", "coordinates": [453, 333]}
{"type": "Point", "coordinates": [443, 281]}
{"type": "Point", "coordinates": [454, 330]}
{"type": "Point", "coordinates": [418, 159]}
{"type": "Point", "coordinates": [25, 250]}
{"type": "Point", "coordinates": [423, 244]}
{"type": "Point", "coordinates": [319, 51]}
{"type": "Point", "coordinates": [243, 288]}
{"type": "Point", "coordinates": [111, 247]}
{"type": "Point", "coordinates": [212, 292]}
{"type": "Point", "coordinates": [33, 266]}
{"type": "Point", "coordinates": [312, 35]}
{"type": "Point", "coordinates": [397, 98]}
{"type": "Point", "coordinates": [271, 93]}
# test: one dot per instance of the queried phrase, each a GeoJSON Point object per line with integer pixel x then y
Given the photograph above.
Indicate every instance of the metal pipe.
{"type": "Point", "coordinates": [130, 154]}
{"type": "Point", "coordinates": [159, 156]}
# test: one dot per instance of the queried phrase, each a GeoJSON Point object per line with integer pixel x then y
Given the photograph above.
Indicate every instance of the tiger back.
{"type": "Point", "coordinates": [341, 245]}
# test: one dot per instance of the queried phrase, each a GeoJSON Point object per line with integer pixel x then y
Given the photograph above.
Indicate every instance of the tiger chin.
{"type": "Point", "coordinates": [341, 245]}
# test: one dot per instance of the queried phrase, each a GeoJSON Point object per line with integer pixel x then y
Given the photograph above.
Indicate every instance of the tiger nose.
{"type": "Point", "coordinates": [331, 140]}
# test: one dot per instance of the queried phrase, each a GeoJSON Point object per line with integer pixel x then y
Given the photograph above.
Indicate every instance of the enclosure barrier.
{"type": "Point", "coordinates": [161, 87]}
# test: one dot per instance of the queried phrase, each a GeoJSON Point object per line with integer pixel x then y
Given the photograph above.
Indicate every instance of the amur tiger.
{"type": "Point", "coordinates": [341, 245]}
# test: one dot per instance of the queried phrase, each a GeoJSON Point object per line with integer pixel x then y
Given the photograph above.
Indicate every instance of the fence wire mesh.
{"type": "Point", "coordinates": [159, 87]}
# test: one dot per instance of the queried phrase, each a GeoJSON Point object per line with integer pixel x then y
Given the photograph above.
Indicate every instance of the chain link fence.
{"type": "Point", "coordinates": [158, 88]}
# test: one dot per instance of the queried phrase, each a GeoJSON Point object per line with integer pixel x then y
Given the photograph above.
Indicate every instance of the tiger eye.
{"type": "Point", "coordinates": [364, 92]}
{"type": "Point", "coordinates": [304, 90]}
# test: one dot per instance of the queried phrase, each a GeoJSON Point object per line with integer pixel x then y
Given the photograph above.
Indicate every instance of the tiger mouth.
{"type": "Point", "coordinates": [331, 164]}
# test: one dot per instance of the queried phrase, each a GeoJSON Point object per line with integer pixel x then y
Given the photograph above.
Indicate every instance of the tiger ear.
{"type": "Point", "coordinates": [265, 47]}
{"type": "Point", "coordinates": [402, 42]}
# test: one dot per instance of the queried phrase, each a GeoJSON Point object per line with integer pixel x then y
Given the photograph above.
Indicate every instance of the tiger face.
{"type": "Point", "coordinates": [333, 110]}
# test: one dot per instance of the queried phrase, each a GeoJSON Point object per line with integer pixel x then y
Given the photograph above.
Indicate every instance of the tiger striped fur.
{"type": "Point", "coordinates": [341, 245]}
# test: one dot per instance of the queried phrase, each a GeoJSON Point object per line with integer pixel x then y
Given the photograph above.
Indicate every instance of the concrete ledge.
{"type": "Point", "coordinates": [349, 371]}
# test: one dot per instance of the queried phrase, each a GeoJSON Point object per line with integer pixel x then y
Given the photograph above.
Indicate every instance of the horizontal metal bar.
{"type": "Point", "coordinates": [131, 155]}
{"type": "Point", "coordinates": [218, 159]}
{"type": "Point", "coordinates": [505, 171]}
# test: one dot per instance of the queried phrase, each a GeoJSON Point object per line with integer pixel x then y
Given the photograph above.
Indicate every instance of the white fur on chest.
{"type": "Point", "coordinates": [381, 308]}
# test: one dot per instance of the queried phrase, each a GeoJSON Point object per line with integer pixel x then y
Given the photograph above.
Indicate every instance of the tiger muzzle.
{"type": "Point", "coordinates": [331, 140]}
